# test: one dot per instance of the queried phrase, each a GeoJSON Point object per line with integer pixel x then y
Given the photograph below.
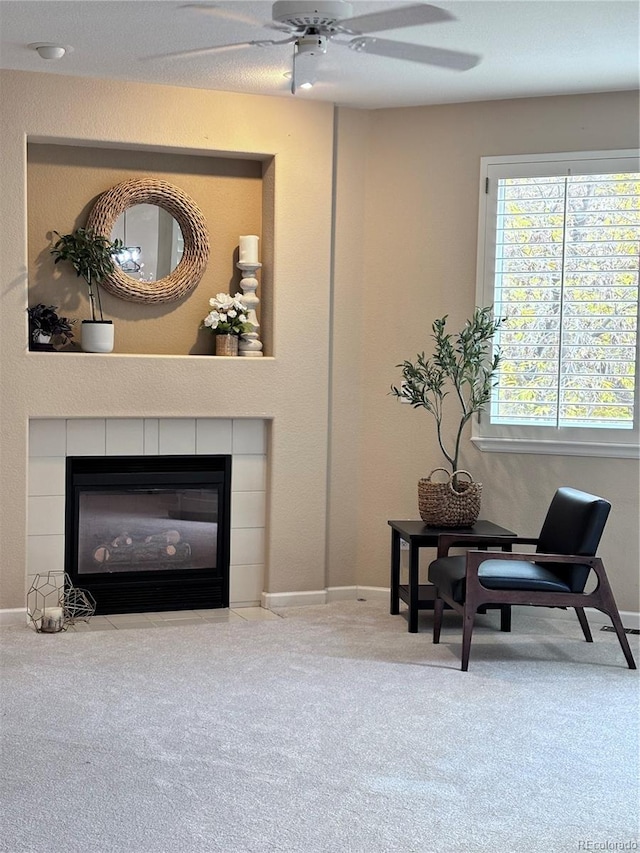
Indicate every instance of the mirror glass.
{"type": "Point", "coordinates": [153, 242]}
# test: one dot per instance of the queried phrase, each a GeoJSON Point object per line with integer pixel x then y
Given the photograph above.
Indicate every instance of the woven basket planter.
{"type": "Point", "coordinates": [187, 274]}
{"type": "Point", "coordinates": [227, 344]}
{"type": "Point", "coordinates": [442, 505]}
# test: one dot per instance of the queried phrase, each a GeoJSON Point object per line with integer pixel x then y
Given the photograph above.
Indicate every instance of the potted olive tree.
{"type": "Point", "coordinates": [92, 257]}
{"type": "Point", "coordinates": [461, 364]}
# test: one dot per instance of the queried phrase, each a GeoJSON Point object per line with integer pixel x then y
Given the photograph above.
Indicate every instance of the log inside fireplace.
{"type": "Point", "coordinates": [149, 533]}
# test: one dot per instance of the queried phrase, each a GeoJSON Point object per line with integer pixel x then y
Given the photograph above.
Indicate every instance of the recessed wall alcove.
{"type": "Point", "coordinates": [63, 183]}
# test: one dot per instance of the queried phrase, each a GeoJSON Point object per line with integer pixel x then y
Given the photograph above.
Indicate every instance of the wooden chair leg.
{"type": "Point", "coordinates": [584, 624]}
{"type": "Point", "coordinates": [607, 603]}
{"type": "Point", "coordinates": [438, 607]}
{"type": "Point", "coordinates": [505, 617]}
{"type": "Point", "coordinates": [467, 631]}
{"type": "Point", "coordinates": [622, 637]}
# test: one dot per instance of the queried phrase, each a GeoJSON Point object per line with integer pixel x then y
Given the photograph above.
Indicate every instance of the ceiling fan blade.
{"type": "Point", "coordinates": [227, 14]}
{"type": "Point", "coordinates": [221, 48]}
{"type": "Point", "coordinates": [454, 59]}
{"type": "Point", "coordinates": [393, 19]}
{"type": "Point", "coordinates": [200, 51]}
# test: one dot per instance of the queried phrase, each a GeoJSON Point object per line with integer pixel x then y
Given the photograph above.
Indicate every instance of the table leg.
{"type": "Point", "coordinates": [414, 581]}
{"type": "Point", "coordinates": [395, 573]}
{"type": "Point", "coordinates": [505, 617]}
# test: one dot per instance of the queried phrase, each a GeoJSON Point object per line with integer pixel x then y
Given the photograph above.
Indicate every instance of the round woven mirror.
{"type": "Point", "coordinates": [185, 277]}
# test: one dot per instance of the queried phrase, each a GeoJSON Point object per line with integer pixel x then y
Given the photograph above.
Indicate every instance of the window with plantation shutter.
{"type": "Point", "coordinates": [559, 260]}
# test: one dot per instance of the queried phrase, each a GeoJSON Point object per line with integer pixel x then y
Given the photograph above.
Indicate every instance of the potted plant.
{"type": "Point", "coordinates": [462, 364]}
{"type": "Point", "coordinates": [228, 319]}
{"type": "Point", "coordinates": [46, 324]}
{"type": "Point", "coordinates": [92, 257]}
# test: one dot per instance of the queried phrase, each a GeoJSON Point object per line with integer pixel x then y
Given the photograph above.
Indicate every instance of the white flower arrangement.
{"type": "Point", "coordinates": [229, 315]}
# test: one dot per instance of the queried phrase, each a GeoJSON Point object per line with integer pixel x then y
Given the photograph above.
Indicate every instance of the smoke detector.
{"type": "Point", "coordinates": [47, 50]}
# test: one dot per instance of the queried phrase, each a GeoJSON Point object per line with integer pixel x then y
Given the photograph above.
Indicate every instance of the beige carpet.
{"type": "Point", "coordinates": [330, 729]}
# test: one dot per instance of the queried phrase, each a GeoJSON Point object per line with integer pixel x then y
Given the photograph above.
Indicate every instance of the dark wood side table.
{"type": "Point", "coordinates": [418, 535]}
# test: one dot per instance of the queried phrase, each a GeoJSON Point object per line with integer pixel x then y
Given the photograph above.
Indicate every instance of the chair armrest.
{"type": "Point", "coordinates": [481, 556]}
{"type": "Point", "coordinates": [476, 558]}
{"type": "Point", "coordinates": [450, 540]}
{"type": "Point", "coordinates": [477, 591]}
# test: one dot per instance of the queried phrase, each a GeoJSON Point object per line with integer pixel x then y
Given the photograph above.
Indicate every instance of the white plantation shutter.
{"type": "Point", "coordinates": [559, 258]}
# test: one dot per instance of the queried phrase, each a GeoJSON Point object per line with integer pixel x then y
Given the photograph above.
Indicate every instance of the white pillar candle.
{"type": "Point", "coordinates": [249, 249]}
{"type": "Point", "coordinates": [52, 620]}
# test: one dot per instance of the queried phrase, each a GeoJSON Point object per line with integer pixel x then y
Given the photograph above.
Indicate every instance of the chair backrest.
{"type": "Point", "coordinates": [574, 524]}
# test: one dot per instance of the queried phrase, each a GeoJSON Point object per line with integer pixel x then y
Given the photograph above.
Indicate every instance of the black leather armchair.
{"type": "Point", "coordinates": [554, 576]}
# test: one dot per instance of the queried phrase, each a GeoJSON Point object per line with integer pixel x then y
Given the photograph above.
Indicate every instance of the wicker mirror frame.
{"type": "Point", "coordinates": [185, 277]}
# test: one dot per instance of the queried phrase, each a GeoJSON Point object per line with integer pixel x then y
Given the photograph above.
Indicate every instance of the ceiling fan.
{"type": "Point", "coordinates": [310, 26]}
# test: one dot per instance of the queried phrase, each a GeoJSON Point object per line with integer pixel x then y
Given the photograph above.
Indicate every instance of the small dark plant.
{"type": "Point", "coordinates": [464, 363]}
{"type": "Point", "coordinates": [45, 321]}
{"type": "Point", "coordinates": [92, 257]}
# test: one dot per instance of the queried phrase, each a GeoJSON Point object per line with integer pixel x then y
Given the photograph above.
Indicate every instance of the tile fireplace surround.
{"type": "Point", "coordinates": [51, 440]}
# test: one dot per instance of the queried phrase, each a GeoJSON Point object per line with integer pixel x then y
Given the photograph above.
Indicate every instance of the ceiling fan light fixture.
{"type": "Point", "coordinates": [303, 76]}
{"type": "Point", "coordinates": [307, 51]}
{"type": "Point", "coordinates": [306, 85]}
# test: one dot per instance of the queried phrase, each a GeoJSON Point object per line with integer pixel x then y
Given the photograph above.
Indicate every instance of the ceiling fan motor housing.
{"type": "Point", "coordinates": [301, 14]}
{"type": "Point", "coordinates": [312, 44]}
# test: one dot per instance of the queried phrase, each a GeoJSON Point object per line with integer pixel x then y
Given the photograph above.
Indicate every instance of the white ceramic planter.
{"type": "Point", "coordinates": [97, 336]}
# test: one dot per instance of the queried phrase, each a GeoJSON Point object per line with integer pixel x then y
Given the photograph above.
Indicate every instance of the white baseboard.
{"type": "Point", "coordinates": [342, 593]}
{"type": "Point", "coordinates": [12, 617]}
{"type": "Point", "coordinates": [323, 596]}
{"type": "Point", "coordinates": [373, 593]}
{"type": "Point", "coordinates": [293, 599]}
{"type": "Point", "coordinates": [596, 617]}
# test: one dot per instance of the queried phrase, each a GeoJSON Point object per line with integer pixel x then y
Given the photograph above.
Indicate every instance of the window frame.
{"type": "Point", "coordinates": [566, 441]}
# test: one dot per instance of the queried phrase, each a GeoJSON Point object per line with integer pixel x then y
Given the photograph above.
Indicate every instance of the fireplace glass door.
{"type": "Point", "coordinates": [147, 530]}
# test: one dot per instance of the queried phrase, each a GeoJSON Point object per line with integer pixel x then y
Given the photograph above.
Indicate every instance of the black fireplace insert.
{"type": "Point", "coordinates": [149, 533]}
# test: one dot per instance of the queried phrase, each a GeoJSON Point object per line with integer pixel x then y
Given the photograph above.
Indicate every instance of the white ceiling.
{"type": "Point", "coordinates": [528, 48]}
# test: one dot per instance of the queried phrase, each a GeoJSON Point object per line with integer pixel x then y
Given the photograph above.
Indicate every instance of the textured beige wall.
{"type": "Point", "coordinates": [63, 184]}
{"type": "Point", "coordinates": [404, 252]}
{"type": "Point", "coordinates": [420, 263]}
{"type": "Point", "coordinates": [294, 139]}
